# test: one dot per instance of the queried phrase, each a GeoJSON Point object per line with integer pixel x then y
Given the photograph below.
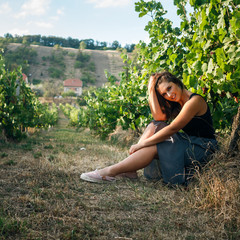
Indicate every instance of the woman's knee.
{"type": "Point", "coordinates": [150, 125]}
{"type": "Point", "coordinates": [150, 150]}
{"type": "Point", "coordinates": [148, 132]}
{"type": "Point", "coordinates": [152, 128]}
{"type": "Point", "coordinates": [153, 149]}
{"type": "Point", "coordinates": [158, 125]}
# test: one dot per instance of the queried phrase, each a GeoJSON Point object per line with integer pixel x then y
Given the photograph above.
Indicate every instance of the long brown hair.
{"type": "Point", "coordinates": [171, 109]}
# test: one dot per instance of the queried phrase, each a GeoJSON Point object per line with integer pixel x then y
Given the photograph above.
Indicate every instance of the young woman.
{"type": "Point", "coordinates": [162, 150]}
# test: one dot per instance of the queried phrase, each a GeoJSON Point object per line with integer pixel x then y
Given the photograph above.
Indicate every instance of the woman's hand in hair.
{"type": "Point", "coordinates": [156, 110]}
{"type": "Point", "coordinates": [151, 84]}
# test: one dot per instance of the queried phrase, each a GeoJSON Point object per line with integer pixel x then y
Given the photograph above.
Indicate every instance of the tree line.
{"type": "Point", "coordinates": [51, 41]}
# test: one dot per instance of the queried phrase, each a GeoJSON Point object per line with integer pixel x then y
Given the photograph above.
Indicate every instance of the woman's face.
{"type": "Point", "coordinates": [170, 91]}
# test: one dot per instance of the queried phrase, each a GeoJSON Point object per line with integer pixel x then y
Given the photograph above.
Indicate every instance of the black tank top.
{"type": "Point", "coordinates": [201, 126]}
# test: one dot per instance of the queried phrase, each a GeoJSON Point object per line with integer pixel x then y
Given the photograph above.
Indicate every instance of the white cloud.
{"type": "Point", "coordinates": [34, 7]}
{"type": "Point", "coordinates": [4, 8]}
{"type": "Point", "coordinates": [54, 18]}
{"type": "Point", "coordinates": [41, 24]}
{"type": "Point", "coordinates": [44, 24]}
{"type": "Point", "coordinates": [60, 11]}
{"type": "Point", "coordinates": [109, 3]}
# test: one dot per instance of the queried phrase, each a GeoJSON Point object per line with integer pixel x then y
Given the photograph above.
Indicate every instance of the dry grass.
{"type": "Point", "coordinates": [42, 196]}
{"type": "Point", "coordinates": [217, 190]}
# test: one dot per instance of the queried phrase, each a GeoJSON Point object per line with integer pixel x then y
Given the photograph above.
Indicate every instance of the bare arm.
{"type": "Point", "coordinates": [189, 110]}
{"type": "Point", "coordinates": [156, 110]}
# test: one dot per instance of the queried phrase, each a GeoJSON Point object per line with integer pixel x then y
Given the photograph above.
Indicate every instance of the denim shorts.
{"type": "Point", "coordinates": [178, 156]}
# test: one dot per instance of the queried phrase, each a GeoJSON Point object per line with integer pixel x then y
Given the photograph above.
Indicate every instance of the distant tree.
{"type": "Point", "coordinates": [88, 78]}
{"type": "Point", "coordinates": [3, 44]}
{"type": "Point", "coordinates": [130, 47]}
{"type": "Point", "coordinates": [116, 44]}
{"type": "Point", "coordinates": [38, 92]}
{"type": "Point", "coordinates": [89, 43]}
{"type": "Point", "coordinates": [29, 39]}
{"type": "Point", "coordinates": [18, 39]}
{"type": "Point", "coordinates": [83, 45]}
{"type": "Point", "coordinates": [92, 67]}
{"type": "Point", "coordinates": [73, 43]}
{"type": "Point", "coordinates": [79, 64]}
{"type": "Point", "coordinates": [103, 44]}
{"type": "Point", "coordinates": [51, 41]}
{"type": "Point", "coordinates": [36, 38]}
{"type": "Point", "coordinates": [45, 41]}
{"type": "Point", "coordinates": [83, 57]}
{"type": "Point", "coordinates": [97, 44]}
{"type": "Point", "coordinates": [25, 41]}
{"type": "Point", "coordinates": [51, 89]}
{"type": "Point", "coordinates": [22, 56]}
{"type": "Point", "coordinates": [36, 43]}
{"type": "Point", "coordinates": [36, 81]}
{"type": "Point", "coordinates": [8, 35]}
{"type": "Point", "coordinates": [55, 72]}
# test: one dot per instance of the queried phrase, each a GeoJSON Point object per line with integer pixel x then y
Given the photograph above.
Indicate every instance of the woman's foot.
{"type": "Point", "coordinates": [130, 175]}
{"type": "Point", "coordinates": [108, 171]}
{"type": "Point", "coordinates": [98, 176]}
{"type": "Point", "coordinates": [95, 177]}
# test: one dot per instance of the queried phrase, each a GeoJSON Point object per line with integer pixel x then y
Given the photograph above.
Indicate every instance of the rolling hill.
{"type": "Point", "coordinates": [104, 60]}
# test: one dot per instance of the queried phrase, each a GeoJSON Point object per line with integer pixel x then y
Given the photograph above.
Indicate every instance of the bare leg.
{"type": "Point", "coordinates": [133, 162]}
{"type": "Point", "coordinates": [149, 131]}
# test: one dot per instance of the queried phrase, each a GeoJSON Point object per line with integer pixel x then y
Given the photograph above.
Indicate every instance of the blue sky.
{"type": "Point", "coordinates": [101, 20]}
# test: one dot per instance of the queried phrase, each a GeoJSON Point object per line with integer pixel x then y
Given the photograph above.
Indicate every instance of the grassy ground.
{"type": "Point", "coordinates": [42, 196]}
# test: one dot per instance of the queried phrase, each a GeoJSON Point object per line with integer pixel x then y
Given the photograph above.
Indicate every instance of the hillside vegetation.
{"type": "Point", "coordinates": [57, 64]}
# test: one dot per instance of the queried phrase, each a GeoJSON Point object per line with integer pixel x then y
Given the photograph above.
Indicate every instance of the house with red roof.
{"type": "Point", "coordinates": [73, 85]}
{"type": "Point", "coordinates": [25, 78]}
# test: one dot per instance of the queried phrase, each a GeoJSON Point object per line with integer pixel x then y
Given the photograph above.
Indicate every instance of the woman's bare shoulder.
{"type": "Point", "coordinates": [199, 102]}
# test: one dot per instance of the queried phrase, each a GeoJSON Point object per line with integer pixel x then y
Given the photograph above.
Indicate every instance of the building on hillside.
{"type": "Point", "coordinates": [73, 85]}
{"type": "Point", "coordinates": [25, 78]}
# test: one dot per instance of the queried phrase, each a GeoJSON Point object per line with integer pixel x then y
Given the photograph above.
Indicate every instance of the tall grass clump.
{"type": "Point", "coordinates": [217, 191]}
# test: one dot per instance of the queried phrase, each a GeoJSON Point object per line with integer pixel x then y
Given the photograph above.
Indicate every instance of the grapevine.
{"type": "Point", "coordinates": [204, 52]}
{"type": "Point", "coordinates": [19, 107]}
